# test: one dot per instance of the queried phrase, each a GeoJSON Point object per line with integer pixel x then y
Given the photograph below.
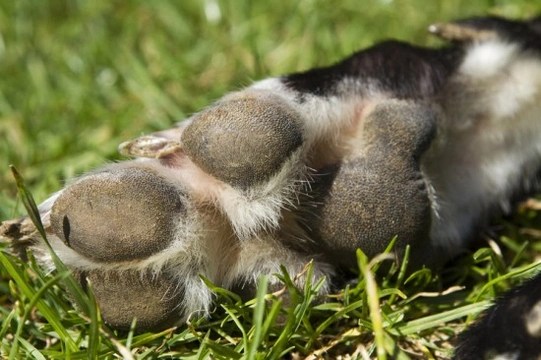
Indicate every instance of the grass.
{"type": "Point", "coordinates": [80, 77]}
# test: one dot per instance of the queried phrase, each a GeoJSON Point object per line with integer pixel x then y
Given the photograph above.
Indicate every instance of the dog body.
{"type": "Point", "coordinates": [397, 140]}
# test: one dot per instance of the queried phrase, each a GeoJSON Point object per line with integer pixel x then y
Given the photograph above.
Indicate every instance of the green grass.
{"type": "Point", "coordinates": [79, 77]}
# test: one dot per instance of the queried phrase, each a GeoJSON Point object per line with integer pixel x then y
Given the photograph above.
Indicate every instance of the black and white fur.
{"type": "Point", "coordinates": [426, 144]}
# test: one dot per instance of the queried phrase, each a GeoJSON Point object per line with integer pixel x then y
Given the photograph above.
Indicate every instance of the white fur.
{"type": "Point", "coordinates": [532, 320]}
{"type": "Point", "coordinates": [330, 124]}
{"type": "Point", "coordinates": [265, 255]}
{"type": "Point", "coordinates": [489, 140]}
{"type": "Point", "coordinates": [506, 356]}
{"type": "Point", "coordinates": [259, 208]}
{"type": "Point", "coordinates": [488, 59]}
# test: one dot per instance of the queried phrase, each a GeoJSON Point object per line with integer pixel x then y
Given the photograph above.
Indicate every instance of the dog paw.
{"type": "Point", "coordinates": [379, 192]}
{"type": "Point", "coordinates": [207, 198]}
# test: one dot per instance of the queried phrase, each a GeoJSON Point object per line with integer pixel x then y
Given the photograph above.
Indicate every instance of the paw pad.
{"type": "Point", "coordinates": [243, 140]}
{"type": "Point", "coordinates": [121, 215]}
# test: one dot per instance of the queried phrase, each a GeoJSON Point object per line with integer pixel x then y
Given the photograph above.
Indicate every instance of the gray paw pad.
{"type": "Point", "coordinates": [118, 215]}
{"type": "Point", "coordinates": [127, 294]}
{"type": "Point", "coordinates": [243, 140]}
{"type": "Point", "coordinates": [399, 127]}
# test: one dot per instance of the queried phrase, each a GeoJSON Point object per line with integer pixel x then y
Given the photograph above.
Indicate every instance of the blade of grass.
{"type": "Point", "coordinates": [239, 325]}
{"type": "Point", "coordinates": [259, 312]}
{"type": "Point", "coordinates": [44, 309]}
{"type": "Point", "coordinates": [373, 304]}
{"type": "Point", "coordinates": [29, 307]}
{"type": "Point", "coordinates": [401, 274]}
{"type": "Point", "coordinates": [428, 322]}
{"type": "Point", "coordinates": [81, 299]}
{"type": "Point", "coordinates": [523, 271]}
{"type": "Point", "coordinates": [31, 350]}
{"type": "Point", "coordinates": [95, 323]}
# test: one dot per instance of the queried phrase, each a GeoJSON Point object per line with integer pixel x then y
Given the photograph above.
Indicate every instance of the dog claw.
{"type": "Point", "coordinates": [149, 146]}
{"type": "Point", "coordinates": [460, 32]}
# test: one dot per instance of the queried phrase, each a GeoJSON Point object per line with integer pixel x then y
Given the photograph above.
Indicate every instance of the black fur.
{"type": "Point", "coordinates": [524, 33]}
{"type": "Point", "coordinates": [502, 329]}
{"type": "Point", "coordinates": [404, 70]}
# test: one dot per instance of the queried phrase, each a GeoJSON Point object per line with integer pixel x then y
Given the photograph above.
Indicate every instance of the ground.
{"type": "Point", "coordinates": [80, 77]}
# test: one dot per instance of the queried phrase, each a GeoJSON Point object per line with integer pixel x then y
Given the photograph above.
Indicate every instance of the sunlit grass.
{"type": "Point", "coordinates": [77, 78]}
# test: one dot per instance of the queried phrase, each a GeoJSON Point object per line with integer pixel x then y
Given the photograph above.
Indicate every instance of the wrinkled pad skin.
{"type": "Point", "coordinates": [380, 192]}
{"type": "Point", "coordinates": [92, 215]}
{"type": "Point", "coordinates": [123, 295]}
{"type": "Point", "coordinates": [243, 141]}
